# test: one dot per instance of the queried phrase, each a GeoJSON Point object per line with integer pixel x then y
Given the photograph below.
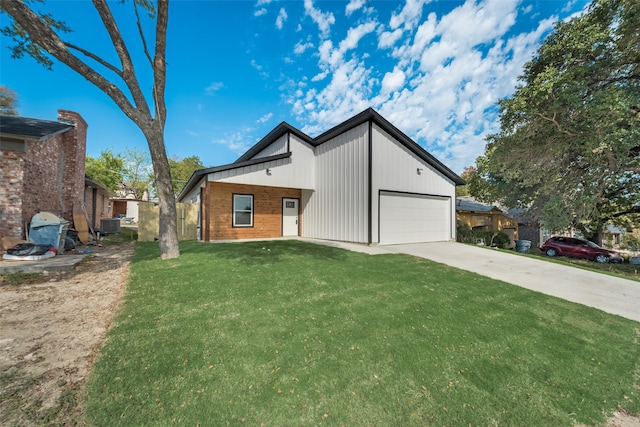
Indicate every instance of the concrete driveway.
{"type": "Point", "coordinates": [607, 293]}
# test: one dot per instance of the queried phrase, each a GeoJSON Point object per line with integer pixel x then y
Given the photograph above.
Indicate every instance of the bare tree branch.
{"type": "Point", "coordinates": [95, 58]}
{"type": "Point", "coordinates": [555, 122]}
{"type": "Point", "coordinates": [41, 34]}
{"type": "Point", "coordinates": [160, 76]}
{"type": "Point", "coordinates": [128, 71]}
{"type": "Point", "coordinates": [144, 40]}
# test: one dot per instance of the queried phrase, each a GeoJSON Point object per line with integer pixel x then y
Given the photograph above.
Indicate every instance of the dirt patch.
{"type": "Point", "coordinates": [52, 327]}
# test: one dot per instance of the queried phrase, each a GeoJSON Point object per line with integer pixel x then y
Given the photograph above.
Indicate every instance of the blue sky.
{"type": "Point", "coordinates": [236, 69]}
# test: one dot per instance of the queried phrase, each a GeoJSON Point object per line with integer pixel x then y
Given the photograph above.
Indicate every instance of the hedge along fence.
{"type": "Point", "coordinates": [149, 221]}
{"type": "Point", "coordinates": [465, 234]}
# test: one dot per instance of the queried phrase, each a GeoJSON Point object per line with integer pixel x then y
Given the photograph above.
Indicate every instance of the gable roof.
{"type": "Point", "coordinates": [34, 129]}
{"type": "Point", "coordinates": [372, 115]}
{"type": "Point", "coordinates": [367, 115]}
{"type": "Point", "coordinates": [283, 128]}
{"type": "Point", "coordinates": [473, 206]}
{"type": "Point", "coordinates": [280, 130]}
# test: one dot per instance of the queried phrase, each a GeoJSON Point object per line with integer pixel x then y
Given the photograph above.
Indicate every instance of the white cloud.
{"type": "Point", "coordinates": [213, 88]}
{"type": "Point", "coordinates": [353, 5]}
{"type": "Point", "coordinates": [409, 16]}
{"type": "Point", "coordinates": [260, 12]}
{"type": "Point", "coordinates": [323, 20]}
{"type": "Point", "coordinates": [265, 118]}
{"type": "Point", "coordinates": [282, 16]}
{"type": "Point", "coordinates": [388, 39]}
{"type": "Point", "coordinates": [354, 35]}
{"type": "Point", "coordinates": [236, 141]}
{"type": "Point", "coordinates": [393, 81]}
{"type": "Point", "coordinates": [301, 47]}
{"type": "Point", "coordinates": [437, 78]}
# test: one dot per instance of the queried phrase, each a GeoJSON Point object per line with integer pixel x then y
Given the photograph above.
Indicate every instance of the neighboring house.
{"type": "Point", "coordinates": [97, 202]}
{"type": "Point", "coordinates": [479, 216]}
{"type": "Point", "coordinates": [41, 168]}
{"type": "Point", "coordinates": [362, 181]}
{"type": "Point", "coordinates": [125, 208]}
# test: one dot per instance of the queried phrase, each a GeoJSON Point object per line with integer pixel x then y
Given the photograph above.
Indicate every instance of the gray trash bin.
{"type": "Point", "coordinates": [523, 246]}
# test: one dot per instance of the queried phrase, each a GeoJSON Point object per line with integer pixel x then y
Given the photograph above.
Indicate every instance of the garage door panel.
{"type": "Point", "coordinates": [413, 218]}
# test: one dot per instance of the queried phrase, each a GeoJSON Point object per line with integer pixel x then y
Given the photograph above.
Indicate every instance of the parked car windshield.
{"type": "Point", "coordinates": [593, 245]}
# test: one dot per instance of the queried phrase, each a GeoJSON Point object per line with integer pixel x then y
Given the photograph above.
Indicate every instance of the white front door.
{"type": "Point", "coordinates": [289, 217]}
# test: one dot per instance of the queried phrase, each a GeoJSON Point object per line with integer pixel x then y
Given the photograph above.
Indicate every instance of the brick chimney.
{"type": "Point", "coordinates": [74, 152]}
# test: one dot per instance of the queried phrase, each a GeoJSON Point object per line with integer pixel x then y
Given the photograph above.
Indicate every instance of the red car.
{"type": "Point", "coordinates": [579, 248]}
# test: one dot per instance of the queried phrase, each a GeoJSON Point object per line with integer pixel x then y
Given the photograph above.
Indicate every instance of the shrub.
{"type": "Point", "coordinates": [465, 234]}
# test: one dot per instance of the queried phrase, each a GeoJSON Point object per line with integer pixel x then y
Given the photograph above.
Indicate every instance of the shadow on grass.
{"type": "Point", "coordinates": [249, 253]}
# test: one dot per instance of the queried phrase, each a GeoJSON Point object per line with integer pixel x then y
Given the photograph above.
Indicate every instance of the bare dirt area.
{"type": "Point", "coordinates": [51, 327]}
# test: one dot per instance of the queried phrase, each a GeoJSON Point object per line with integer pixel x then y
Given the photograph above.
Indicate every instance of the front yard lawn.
{"type": "Point", "coordinates": [290, 333]}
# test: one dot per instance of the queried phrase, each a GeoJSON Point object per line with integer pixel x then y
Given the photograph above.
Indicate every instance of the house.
{"type": "Point", "coordinates": [479, 216]}
{"type": "Point", "coordinates": [97, 202]}
{"type": "Point", "coordinates": [125, 208]}
{"type": "Point", "coordinates": [363, 181]}
{"type": "Point", "coordinates": [41, 168]}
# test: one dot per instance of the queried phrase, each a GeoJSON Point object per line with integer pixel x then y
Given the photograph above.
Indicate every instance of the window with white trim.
{"type": "Point", "coordinates": [243, 210]}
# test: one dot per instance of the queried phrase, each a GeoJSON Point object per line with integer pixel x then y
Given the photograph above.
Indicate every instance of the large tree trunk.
{"type": "Point", "coordinates": [39, 35]}
{"type": "Point", "coordinates": [169, 247]}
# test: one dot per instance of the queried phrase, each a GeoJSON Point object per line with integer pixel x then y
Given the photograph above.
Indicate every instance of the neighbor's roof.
{"type": "Point", "coordinates": [27, 128]}
{"type": "Point", "coordinates": [283, 128]}
{"type": "Point", "coordinates": [90, 182]}
{"type": "Point", "coordinates": [473, 206]}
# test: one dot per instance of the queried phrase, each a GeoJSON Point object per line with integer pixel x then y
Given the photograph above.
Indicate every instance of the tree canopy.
{"type": "Point", "coordinates": [130, 172]}
{"type": "Point", "coordinates": [569, 144]}
{"type": "Point", "coordinates": [108, 169]}
{"type": "Point", "coordinates": [38, 34]}
{"type": "Point", "coordinates": [8, 101]}
{"type": "Point", "coordinates": [182, 169]}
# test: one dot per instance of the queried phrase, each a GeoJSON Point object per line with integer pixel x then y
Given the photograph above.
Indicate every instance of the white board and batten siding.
{"type": "Point", "coordinates": [408, 206]}
{"type": "Point", "coordinates": [296, 171]}
{"type": "Point", "coordinates": [337, 209]}
{"type": "Point", "coordinates": [279, 146]}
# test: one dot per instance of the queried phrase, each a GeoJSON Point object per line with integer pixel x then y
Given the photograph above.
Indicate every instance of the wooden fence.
{"type": "Point", "coordinates": [149, 221]}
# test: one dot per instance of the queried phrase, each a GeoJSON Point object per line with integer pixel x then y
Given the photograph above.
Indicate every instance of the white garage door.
{"type": "Point", "coordinates": [414, 218]}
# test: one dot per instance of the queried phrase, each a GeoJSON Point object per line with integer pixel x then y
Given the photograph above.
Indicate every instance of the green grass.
{"type": "Point", "coordinates": [291, 333]}
{"type": "Point", "coordinates": [623, 270]}
{"type": "Point", "coordinates": [125, 234]}
{"type": "Point", "coordinates": [15, 279]}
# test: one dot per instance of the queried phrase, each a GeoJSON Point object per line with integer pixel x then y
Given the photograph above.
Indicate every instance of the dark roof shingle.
{"type": "Point", "coordinates": [28, 128]}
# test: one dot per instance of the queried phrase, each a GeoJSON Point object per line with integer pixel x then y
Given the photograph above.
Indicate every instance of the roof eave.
{"type": "Point", "coordinates": [196, 176]}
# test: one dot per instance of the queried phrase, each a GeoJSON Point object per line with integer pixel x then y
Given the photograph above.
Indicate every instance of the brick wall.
{"type": "Point", "coordinates": [11, 180]}
{"type": "Point", "coordinates": [49, 177]}
{"type": "Point", "coordinates": [102, 208]}
{"type": "Point", "coordinates": [267, 208]}
{"type": "Point", "coordinates": [74, 146]}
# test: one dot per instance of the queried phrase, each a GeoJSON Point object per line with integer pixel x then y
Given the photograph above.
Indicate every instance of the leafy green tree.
{"type": "Point", "coordinates": [181, 170]}
{"type": "Point", "coordinates": [39, 35]}
{"type": "Point", "coordinates": [467, 174]}
{"type": "Point", "coordinates": [137, 173]}
{"type": "Point", "coordinates": [569, 144]}
{"type": "Point", "coordinates": [8, 101]}
{"type": "Point", "coordinates": [108, 169]}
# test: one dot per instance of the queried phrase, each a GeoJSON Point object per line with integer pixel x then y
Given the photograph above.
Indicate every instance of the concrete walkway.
{"type": "Point", "coordinates": [607, 293]}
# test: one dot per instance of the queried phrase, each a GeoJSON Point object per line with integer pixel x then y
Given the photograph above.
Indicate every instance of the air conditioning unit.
{"type": "Point", "coordinates": [109, 225]}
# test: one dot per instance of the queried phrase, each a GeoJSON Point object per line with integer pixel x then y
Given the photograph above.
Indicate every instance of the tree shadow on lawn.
{"type": "Point", "coordinates": [249, 253]}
